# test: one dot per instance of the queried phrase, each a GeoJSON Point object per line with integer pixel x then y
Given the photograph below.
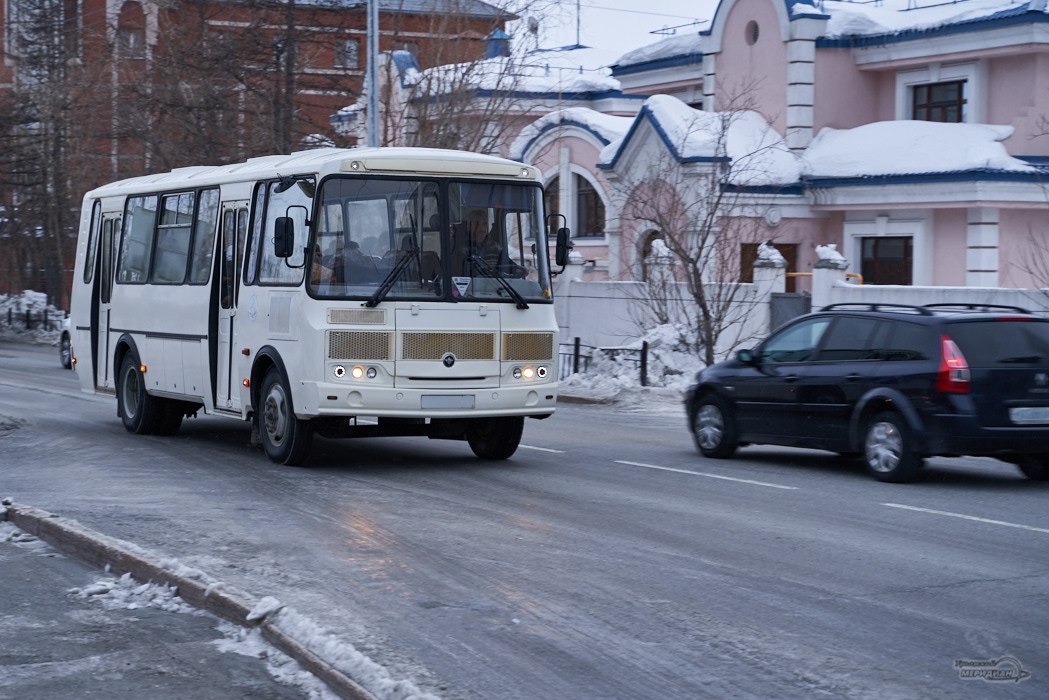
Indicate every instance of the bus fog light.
{"type": "Point", "coordinates": [541, 372]}
{"type": "Point", "coordinates": [357, 372]}
{"type": "Point", "coordinates": [517, 372]}
{"type": "Point", "coordinates": [340, 371]}
{"type": "Point", "coordinates": [372, 373]}
{"type": "Point", "coordinates": [529, 372]}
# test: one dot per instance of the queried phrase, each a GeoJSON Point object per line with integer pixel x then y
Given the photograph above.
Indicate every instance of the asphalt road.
{"type": "Point", "coordinates": [605, 560]}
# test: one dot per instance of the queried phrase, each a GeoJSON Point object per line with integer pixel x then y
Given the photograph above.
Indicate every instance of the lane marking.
{"type": "Point", "coordinates": [541, 449]}
{"type": "Point", "coordinates": [968, 517]}
{"type": "Point", "coordinates": [710, 476]}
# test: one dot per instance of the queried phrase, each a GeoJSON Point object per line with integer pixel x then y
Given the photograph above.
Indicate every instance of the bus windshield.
{"type": "Point", "coordinates": [392, 238]}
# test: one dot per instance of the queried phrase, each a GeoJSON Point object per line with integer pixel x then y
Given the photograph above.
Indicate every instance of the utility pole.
{"type": "Point", "coordinates": [371, 76]}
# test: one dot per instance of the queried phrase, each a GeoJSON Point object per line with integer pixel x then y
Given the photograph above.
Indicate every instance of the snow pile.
{"type": "Point", "coordinates": [894, 16]}
{"type": "Point", "coordinates": [606, 127]}
{"type": "Point", "coordinates": [611, 376]}
{"type": "Point", "coordinates": [346, 658]}
{"type": "Point", "coordinates": [682, 45]}
{"type": "Point", "coordinates": [127, 593]}
{"type": "Point", "coordinates": [758, 154]}
{"type": "Point", "coordinates": [24, 540]}
{"type": "Point", "coordinates": [829, 251]}
{"type": "Point", "coordinates": [909, 147]}
{"type": "Point", "coordinates": [767, 253]}
{"type": "Point", "coordinates": [14, 307]}
{"type": "Point", "coordinates": [283, 669]}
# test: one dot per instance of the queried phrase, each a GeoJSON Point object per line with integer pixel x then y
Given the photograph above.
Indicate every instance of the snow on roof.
{"type": "Point", "coordinates": [909, 147]}
{"type": "Point", "coordinates": [758, 154]}
{"type": "Point", "coordinates": [537, 72]}
{"type": "Point", "coordinates": [605, 127]}
{"type": "Point", "coordinates": [894, 16]}
{"type": "Point", "coordinates": [681, 45]}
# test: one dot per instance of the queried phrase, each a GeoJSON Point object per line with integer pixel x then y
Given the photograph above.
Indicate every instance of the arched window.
{"type": "Point", "coordinates": [648, 242]}
{"type": "Point", "coordinates": [131, 31]}
{"type": "Point", "coordinates": [590, 210]}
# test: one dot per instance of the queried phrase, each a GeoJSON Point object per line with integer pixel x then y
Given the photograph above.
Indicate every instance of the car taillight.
{"type": "Point", "coordinates": [953, 374]}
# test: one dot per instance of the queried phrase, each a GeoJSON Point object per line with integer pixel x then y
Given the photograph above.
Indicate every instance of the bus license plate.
{"type": "Point", "coordinates": [447, 401]}
{"type": "Point", "coordinates": [1030, 415]}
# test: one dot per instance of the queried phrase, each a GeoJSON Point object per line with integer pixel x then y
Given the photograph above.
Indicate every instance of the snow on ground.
{"type": "Point", "coordinates": [610, 378]}
{"type": "Point", "coordinates": [36, 304]}
{"type": "Point", "coordinates": [125, 592]}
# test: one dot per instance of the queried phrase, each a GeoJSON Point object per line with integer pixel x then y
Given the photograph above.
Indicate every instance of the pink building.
{"type": "Point", "coordinates": [913, 134]}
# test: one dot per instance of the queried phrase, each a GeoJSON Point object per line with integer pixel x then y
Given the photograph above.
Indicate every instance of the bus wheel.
{"type": "Point", "coordinates": [495, 438]}
{"type": "Point", "coordinates": [169, 418]}
{"type": "Point", "coordinates": [137, 408]}
{"type": "Point", "coordinates": [285, 439]}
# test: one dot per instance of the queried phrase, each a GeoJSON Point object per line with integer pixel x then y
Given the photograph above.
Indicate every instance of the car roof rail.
{"type": "Point", "coordinates": [976, 308]}
{"type": "Point", "coordinates": [877, 306]}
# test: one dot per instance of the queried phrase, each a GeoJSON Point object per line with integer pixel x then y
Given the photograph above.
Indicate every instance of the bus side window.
{"type": "Point", "coordinates": [136, 244]}
{"type": "Point", "coordinates": [204, 236]}
{"type": "Point", "coordinates": [92, 242]}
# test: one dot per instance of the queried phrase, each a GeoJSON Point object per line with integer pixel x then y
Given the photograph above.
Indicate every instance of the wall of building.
{"type": "Point", "coordinates": [754, 72]}
{"type": "Point", "coordinates": [846, 97]}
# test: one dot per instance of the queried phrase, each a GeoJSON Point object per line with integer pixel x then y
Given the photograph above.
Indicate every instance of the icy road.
{"type": "Point", "coordinates": [606, 559]}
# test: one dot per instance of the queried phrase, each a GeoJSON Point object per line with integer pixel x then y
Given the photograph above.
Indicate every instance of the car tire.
{"type": "Point", "coordinates": [1034, 467]}
{"type": "Point", "coordinates": [138, 410]}
{"type": "Point", "coordinates": [285, 438]}
{"type": "Point", "coordinates": [714, 427]}
{"type": "Point", "coordinates": [888, 449]}
{"type": "Point", "coordinates": [495, 438]}
{"type": "Point", "coordinates": [65, 350]}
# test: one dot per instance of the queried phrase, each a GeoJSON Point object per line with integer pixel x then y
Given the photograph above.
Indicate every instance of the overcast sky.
{"type": "Point", "coordinates": [614, 27]}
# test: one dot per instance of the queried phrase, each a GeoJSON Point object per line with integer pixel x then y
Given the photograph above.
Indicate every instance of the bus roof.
{"type": "Point", "coordinates": [325, 161]}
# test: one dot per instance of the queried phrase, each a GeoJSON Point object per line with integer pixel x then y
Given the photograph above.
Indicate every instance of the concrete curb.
{"type": "Point", "coordinates": [100, 551]}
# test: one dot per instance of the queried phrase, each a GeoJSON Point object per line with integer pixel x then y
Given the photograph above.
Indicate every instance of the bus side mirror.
{"type": "Point", "coordinates": [283, 236]}
{"type": "Point", "coordinates": [564, 244]}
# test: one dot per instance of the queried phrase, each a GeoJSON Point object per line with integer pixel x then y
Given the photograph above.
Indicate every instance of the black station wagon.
{"type": "Point", "coordinates": [892, 383]}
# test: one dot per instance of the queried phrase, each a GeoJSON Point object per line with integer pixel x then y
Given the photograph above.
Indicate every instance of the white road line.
{"type": "Point", "coordinates": [541, 449]}
{"type": "Point", "coordinates": [711, 476]}
{"type": "Point", "coordinates": [967, 517]}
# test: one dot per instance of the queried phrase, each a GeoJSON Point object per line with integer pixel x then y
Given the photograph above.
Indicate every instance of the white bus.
{"type": "Point", "coordinates": [334, 291]}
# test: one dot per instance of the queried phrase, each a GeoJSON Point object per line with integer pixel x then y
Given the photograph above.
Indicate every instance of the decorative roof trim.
{"type": "Point", "coordinates": [920, 178]}
{"type": "Point", "coordinates": [564, 122]}
{"type": "Point", "coordinates": [685, 59]}
{"type": "Point", "coordinates": [644, 112]}
{"type": "Point", "coordinates": [1005, 18]}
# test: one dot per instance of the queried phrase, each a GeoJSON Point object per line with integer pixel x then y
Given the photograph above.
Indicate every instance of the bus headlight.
{"type": "Point", "coordinates": [340, 371]}
{"type": "Point", "coordinates": [357, 372]}
{"type": "Point", "coordinates": [529, 372]}
{"type": "Point", "coordinates": [372, 373]}
{"type": "Point", "coordinates": [541, 372]}
{"type": "Point", "coordinates": [517, 373]}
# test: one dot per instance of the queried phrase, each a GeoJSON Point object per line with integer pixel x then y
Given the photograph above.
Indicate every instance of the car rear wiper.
{"type": "Point", "coordinates": [494, 272]}
{"type": "Point", "coordinates": [1022, 359]}
{"type": "Point", "coordinates": [391, 277]}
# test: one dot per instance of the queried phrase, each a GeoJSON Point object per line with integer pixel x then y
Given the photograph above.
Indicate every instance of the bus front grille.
{"type": "Point", "coordinates": [528, 347]}
{"type": "Point", "coordinates": [362, 316]}
{"type": "Point", "coordinates": [434, 346]}
{"type": "Point", "coordinates": [360, 345]}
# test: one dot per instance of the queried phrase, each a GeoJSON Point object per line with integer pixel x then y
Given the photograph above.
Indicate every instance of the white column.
{"type": "Point", "coordinates": [981, 247]}
{"type": "Point", "coordinates": [801, 81]}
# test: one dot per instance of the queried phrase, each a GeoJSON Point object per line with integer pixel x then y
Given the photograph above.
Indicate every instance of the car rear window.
{"type": "Point", "coordinates": [909, 341]}
{"type": "Point", "coordinates": [1002, 342]}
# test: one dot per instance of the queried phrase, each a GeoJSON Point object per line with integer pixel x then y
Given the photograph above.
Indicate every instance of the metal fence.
{"type": "Point", "coordinates": [576, 358]}
{"type": "Point", "coordinates": [30, 320]}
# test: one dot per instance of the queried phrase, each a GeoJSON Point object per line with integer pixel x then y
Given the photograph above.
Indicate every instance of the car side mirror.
{"type": "Point", "coordinates": [564, 245]}
{"type": "Point", "coordinates": [283, 236]}
{"type": "Point", "coordinates": [746, 357]}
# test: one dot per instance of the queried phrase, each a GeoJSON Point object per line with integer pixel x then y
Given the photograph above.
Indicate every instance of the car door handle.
{"type": "Point", "coordinates": [853, 377]}
{"type": "Point", "coordinates": [790, 378]}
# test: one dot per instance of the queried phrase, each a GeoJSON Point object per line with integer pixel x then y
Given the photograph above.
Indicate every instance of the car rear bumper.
{"type": "Point", "coordinates": [962, 435]}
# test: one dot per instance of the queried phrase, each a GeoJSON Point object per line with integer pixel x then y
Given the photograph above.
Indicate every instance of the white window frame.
{"type": "Point", "coordinates": [973, 73]}
{"type": "Point", "coordinates": [915, 228]}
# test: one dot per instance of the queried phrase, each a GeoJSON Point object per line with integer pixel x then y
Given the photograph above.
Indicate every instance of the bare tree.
{"type": "Point", "coordinates": [701, 213]}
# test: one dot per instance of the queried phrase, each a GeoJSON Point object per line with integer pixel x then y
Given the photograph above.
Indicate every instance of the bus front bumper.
{"type": "Point", "coordinates": [329, 399]}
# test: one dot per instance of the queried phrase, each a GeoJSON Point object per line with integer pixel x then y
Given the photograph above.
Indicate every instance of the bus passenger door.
{"type": "Point", "coordinates": [100, 322]}
{"type": "Point", "coordinates": [231, 261]}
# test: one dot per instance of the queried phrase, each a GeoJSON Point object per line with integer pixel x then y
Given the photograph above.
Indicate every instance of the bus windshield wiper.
{"type": "Point", "coordinates": [494, 272]}
{"type": "Point", "coordinates": [391, 277]}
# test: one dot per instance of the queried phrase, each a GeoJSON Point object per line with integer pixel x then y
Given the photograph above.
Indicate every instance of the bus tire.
{"type": "Point", "coordinates": [169, 418]}
{"type": "Point", "coordinates": [285, 439]}
{"type": "Point", "coordinates": [137, 409]}
{"type": "Point", "coordinates": [495, 438]}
